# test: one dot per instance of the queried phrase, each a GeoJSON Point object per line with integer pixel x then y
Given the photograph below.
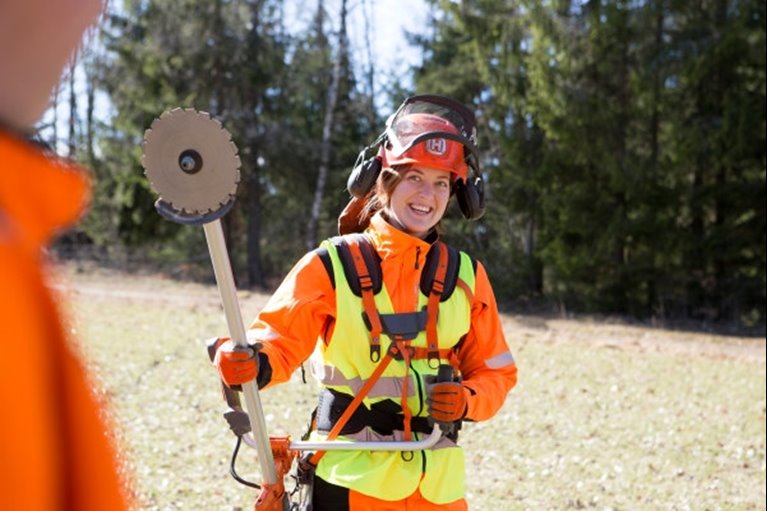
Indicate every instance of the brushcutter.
{"type": "Point", "coordinates": [193, 165]}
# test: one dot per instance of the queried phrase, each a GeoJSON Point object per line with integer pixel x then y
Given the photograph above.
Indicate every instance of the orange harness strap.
{"type": "Point", "coordinates": [408, 415]}
{"type": "Point", "coordinates": [334, 432]}
{"type": "Point", "coordinates": [432, 307]}
{"type": "Point", "coordinates": [419, 353]}
{"type": "Point", "coordinates": [398, 347]}
{"type": "Point", "coordinates": [466, 289]}
{"type": "Point", "coordinates": [368, 300]}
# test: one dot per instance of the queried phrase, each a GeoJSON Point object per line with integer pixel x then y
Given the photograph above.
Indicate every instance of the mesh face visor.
{"type": "Point", "coordinates": [456, 122]}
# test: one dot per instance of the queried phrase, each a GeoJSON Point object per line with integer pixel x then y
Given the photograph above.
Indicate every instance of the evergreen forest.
{"type": "Point", "coordinates": [622, 141]}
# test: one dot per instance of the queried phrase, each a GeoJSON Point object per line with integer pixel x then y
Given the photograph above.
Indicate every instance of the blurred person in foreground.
{"type": "Point", "coordinates": [391, 307]}
{"type": "Point", "coordinates": [55, 451]}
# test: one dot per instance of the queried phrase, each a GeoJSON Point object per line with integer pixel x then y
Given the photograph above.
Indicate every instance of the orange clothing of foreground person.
{"type": "Point", "coordinates": [55, 453]}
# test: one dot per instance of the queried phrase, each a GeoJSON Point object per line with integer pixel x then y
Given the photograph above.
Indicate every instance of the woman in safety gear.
{"type": "Point", "coordinates": [391, 307]}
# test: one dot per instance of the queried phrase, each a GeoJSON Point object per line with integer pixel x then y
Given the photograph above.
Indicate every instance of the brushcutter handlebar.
{"type": "Point", "coordinates": [343, 445]}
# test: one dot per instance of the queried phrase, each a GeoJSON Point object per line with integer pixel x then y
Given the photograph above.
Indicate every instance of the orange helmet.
{"type": "Point", "coordinates": [434, 131]}
{"type": "Point", "coordinates": [408, 145]}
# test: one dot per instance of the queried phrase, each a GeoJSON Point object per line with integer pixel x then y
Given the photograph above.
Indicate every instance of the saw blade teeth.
{"type": "Point", "coordinates": [214, 183]}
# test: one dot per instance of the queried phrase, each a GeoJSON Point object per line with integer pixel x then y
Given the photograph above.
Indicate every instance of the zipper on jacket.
{"type": "Point", "coordinates": [417, 257]}
{"type": "Point", "coordinates": [421, 399]}
{"type": "Point", "coordinates": [420, 390]}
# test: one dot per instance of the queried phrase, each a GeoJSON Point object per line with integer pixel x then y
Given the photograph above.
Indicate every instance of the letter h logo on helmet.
{"type": "Point", "coordinates": [436, 146]}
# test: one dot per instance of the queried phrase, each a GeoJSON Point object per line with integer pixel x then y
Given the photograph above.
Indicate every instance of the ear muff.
{"type": "Point", "coordinates": [363, 177]}
{"type": "Point", "coordinates": [471, 196]}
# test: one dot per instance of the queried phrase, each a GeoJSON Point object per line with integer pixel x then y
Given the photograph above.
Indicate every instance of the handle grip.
{"type": "Point", "coordinates": [446, 373]}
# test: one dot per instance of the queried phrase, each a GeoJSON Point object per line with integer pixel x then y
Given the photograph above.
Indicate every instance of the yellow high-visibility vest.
{"type": "Point", "coordinates": [438, 472]}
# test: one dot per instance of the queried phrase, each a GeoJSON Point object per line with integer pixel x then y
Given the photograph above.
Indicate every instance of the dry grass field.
{"type": "Point", "coordinates": [606, 416]}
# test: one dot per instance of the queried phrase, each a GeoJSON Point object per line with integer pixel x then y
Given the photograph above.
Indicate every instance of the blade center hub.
{"type": "Point", "coordinates": [190, 161]}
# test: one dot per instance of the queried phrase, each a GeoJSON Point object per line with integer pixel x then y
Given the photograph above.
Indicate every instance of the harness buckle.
{"type": "Point", "coordinates": [375, 350]}
{"type": "Point", "coordinates": [366, 283]}
{"type": "Point", "coordinates": [432, 358]}
{"type": "Point", "coordinates": [396, 352]}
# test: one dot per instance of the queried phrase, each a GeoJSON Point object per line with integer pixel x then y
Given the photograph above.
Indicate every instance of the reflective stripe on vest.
{"type": "Point", "coordinates": [347, 365]}
{"type": "Point", "coordinates": [386, 386]}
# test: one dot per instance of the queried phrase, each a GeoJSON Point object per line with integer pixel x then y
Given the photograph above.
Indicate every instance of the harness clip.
{"type": "Point", "coordinates": [396, 352]}
{"type": "Point", "coordinates": [375, 350]}
{"type": "Point", "coordinates": [432, 358]}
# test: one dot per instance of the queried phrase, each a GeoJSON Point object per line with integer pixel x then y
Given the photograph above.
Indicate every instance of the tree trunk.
{"type": "Point", "coordinates": [657, 79]}
{"type": "Point", "coordinates": [90, 84]}
{"type": "Point", "coordinates": [721, 203]}
{"type": "Point", "coordinates": [255, 270]}
{"type": "Point", "coordinates": [370, 71]}
{"type": "Point", "coordinates": [327, 135]}
{"type": "Point", "coordinates": [72, 142]}
{"type": "Point", "coordinates": [54, 141]}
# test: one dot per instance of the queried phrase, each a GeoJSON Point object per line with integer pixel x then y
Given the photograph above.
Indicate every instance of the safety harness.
{"type": "Point", "coordinates": [362, 269]}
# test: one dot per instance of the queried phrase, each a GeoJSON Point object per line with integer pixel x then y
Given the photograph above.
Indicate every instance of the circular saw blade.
{"type": "Point", "coordinates": [211, 185]}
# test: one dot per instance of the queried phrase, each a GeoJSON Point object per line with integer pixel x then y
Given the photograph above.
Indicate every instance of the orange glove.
{"type": "Point", "coordinates": [236, 364]}
{"type": "Point", "coordinates": [447, 401]}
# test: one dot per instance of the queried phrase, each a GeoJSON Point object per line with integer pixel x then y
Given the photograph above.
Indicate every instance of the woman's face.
{"type": "Point", "coordinates": [419, 200]}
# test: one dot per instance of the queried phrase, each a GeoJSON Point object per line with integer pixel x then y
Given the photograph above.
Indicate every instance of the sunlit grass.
{"type": "Point", "coordinates": [591, 425]}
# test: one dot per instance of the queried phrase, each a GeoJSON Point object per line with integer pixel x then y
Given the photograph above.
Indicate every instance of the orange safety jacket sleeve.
{"type": "Point", "coordinates": [488, 368]}
{"type": "Point", "coordinates": [302, 309]}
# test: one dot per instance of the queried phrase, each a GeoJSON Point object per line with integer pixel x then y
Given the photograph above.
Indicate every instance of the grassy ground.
{"type": "Point", "coordinates": [605, 416]}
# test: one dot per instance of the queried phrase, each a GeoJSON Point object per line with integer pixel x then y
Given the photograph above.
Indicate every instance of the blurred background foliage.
{"type": "Point", "coordinates": [623, 142]}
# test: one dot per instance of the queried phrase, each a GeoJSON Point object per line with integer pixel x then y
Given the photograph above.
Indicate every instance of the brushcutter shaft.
{"type": "Point", "coordinates": [219, 256]}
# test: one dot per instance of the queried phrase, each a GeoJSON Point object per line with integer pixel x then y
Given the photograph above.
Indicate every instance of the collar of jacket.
{"type": "Point", "coordinates": [392, 242]}
{"type": "Point", "coordinates": [40, 194]}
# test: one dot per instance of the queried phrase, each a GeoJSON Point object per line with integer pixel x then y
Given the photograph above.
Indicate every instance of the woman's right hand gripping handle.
{"type": "Point", "coordinates": [236, 364]}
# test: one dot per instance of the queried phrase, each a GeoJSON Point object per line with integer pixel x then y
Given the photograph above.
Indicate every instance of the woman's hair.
{"type": "Point", "coordinates": [385, 185]}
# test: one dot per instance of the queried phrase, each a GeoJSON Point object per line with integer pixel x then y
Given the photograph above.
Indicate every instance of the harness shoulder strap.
{"type": "Point", "coordinates": [451, 271]}
{"type": "Point", "coordinates": [372, 262]}
{"type": "Point", "coordinates": [363, 272]}
{"type": "Point", "coordinates": [322, 253]}
{"type": "Point", "coordinates": [373, 265]}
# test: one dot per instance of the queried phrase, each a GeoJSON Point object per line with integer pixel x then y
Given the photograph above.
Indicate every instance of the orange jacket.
{"type": "Point", "coordinates": [303, 308]}
{"type": "Point", "coordinates": [54, 452]}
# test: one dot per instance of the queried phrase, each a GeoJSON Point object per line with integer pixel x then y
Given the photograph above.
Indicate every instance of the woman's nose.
{"type": "Point", "coordinates": [426, 189]}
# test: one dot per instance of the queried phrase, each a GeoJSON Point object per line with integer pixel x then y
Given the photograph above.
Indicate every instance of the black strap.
{"type": "Point", "coordinates": [403, 325]}
{"type": "Point", "coordinates": [369, 255]}
{"type": "Point", "coordinates": [430, 269]}
{"type": "Point", "coordinates": [322, 253]}
{"type": "Point", "coordinates": [384, 417]}
{"type": "Point", "coordinates": [373, 265]}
